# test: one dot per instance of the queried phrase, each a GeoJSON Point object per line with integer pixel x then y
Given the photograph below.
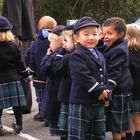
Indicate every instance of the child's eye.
{"type": "Point", "coordinates": [94, 34]}
{"type": "Point", "coordinates": [109, 33]}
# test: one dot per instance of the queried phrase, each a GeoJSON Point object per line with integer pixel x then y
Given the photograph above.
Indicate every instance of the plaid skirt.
{"type": "Point", "coordinates": [63, 118]}
{"type": "Point", "coordinates": [119, 112]}
{"type": "Point", "coordinates": [136, 106]}
{"type": "Point", "coordinates": [39, 90]}
{"type": "Point", "coordinates": [54, 129]}
{"type": "Point", "coordinates": [86, 122]}
{"type": "Point", "coordinates": [12, 95]}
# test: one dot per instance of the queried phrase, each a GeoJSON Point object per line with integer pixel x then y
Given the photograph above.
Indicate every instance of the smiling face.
{"type": "Point", "coordinates": [87, 36]}
{"type": "Point", "coordinates": [111, 35]}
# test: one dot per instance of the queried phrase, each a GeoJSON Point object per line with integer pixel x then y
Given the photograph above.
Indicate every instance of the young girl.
{"type": "Point", "coordinates": [38, 50]}
{"type": "Point", "coordinates": [133, 37]}
{"type": "Point", "coordinates": [11, 69]}
{"type": "Point", "coordinates": [51, 106]}
{"type": "Point", "coordinates": [61, 66]}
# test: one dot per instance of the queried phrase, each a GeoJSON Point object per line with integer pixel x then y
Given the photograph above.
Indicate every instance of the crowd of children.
{"type": "Point", "coordinates": [85, 84]}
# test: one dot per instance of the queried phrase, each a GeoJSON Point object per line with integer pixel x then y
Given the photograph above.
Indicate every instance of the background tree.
{"type": "Point", "coordinates": [62, 10]}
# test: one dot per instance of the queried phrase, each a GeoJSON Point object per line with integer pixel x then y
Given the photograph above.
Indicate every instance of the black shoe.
{"type": "Point", "coordinates": [2, 133]}
{"type": "Point", "coordinates": [37, 117]}
{"type": "Point", "coordinates": [17, 128]}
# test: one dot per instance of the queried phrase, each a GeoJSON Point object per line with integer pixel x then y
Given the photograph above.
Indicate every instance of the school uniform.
{"type": "Point", "coordinates": [38, 50]}
{"type": "Point", "coordinates": [61, 66]}
{"type": "Point", "coordinates": [12, 68]}
{"type": "Point", "coordinates": [120, 82]}
{"type": "Point", "coordinates": [89, 79]}
{"type": "Point", "coordinates": [134, 65]}
{"type": "Point", "coordinates": [51, 106]}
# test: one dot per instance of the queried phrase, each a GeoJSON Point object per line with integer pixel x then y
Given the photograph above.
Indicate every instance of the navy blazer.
{"type": "Point", "coordinates": [61, 66]}
{"type": "Point", "coordinates": [117, 61]}
{"type": "Point", "coordinates": [134, 65]}
{"type": "Point", "coordinates": [88, 76]}
{"type": "Point", "coordinates": [12, 66]}
{"type": "Point", "coordinates": [51, 106]}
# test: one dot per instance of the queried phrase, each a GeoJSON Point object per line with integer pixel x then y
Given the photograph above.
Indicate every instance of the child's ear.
{"type": "Point", "coordinates": [122, 34]}
{"type": "Point", "coordinates": [75, 38]}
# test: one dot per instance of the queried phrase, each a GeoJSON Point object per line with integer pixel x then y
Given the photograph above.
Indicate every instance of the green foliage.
{"type": "Point", "coordinates": [0, 6]}
{"type": "Point", "coordinates": [99, 9]}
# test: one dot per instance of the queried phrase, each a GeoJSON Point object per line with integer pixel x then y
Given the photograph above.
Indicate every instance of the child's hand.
{"type": "Point", "coordinates": [49, 51]}
{"type": "Point", "coordinates": [106, 103]}
{"type": "Point", "coordinates": [103, 95]}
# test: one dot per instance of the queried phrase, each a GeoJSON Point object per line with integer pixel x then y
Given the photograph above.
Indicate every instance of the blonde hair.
{"type": "Point", "coordinates": [70, 34]}
{"type": "Point", "coordinates": [133, 36]}
{"type": "Point", "coordinates": [53, 36]}
{"type": "Point", "coordinates": [6, 36]}
{"type": "Point", "coordinates": [46, 22]}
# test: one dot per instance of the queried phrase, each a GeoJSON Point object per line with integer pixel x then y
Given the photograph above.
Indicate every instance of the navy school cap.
{"type": "Point", "coordinates": [58, 29]}
{"type": "Point", "coordinates": [84, 22]}
{"type": "Point", "coordinates": [69, 27]}
{"type": "Point", "coordinates": [5, 24]}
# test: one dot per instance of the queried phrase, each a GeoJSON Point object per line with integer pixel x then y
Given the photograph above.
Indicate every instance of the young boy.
{"type": "Point", "coordinates": [120, 81]}
{"type": "Point", "coordinates": [88, 90]}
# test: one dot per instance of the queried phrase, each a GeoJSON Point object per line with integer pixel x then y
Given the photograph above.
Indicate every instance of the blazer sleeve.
{"type": "Point", "coordinates": [115, 67]}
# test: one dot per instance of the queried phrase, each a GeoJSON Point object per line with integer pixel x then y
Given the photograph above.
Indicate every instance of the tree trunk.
{"type": "Point", "coordinates": [37, 11]}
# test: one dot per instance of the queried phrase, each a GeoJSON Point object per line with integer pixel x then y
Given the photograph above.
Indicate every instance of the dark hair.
{"type": "Point", "coordinates": [118, 23]}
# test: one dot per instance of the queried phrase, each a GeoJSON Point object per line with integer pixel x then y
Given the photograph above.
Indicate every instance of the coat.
{"type": "Point", "coordinates": [21, 14]}
{"type": "Point", "coordinates": [88, 74]}
{"type": "Point", "coordinates": [134, 65]}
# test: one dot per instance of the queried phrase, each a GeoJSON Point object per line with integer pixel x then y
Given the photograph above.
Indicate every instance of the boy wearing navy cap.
{"type": "Point", "coordinates": [88, 90]}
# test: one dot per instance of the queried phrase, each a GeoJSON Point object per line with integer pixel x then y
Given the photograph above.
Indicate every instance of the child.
{"type": "Point", "coordinates": [11, 69]}
{"type": "Point", "coordinates": [51, 106]}
{"type": "Point", "coordinates": [133, 36]}
{"type": "Point", "coordinates": [117, 60]}
{"type": "Point", "coordinates": [38, 50]}
{"type": "Point", "coordinates": [87, 70]}
{"type": "Point", "coordinates": [61, 66]}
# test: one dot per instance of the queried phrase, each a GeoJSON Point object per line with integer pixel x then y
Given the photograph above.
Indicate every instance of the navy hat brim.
{"type": "Point", "coordinates": [84, 22]}
{"type": "Point", "coordinates": [58, 30]}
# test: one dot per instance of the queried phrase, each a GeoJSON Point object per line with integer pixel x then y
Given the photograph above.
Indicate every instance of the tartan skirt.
{"type": "Point", "coordinates": [63, 117]}
{"type": "Point", "coordinates": [39, 90]}
{"type": "Point", "coordinates": [136, 106]}
{"type": "Point", "coordinates": [12, 95]}
{"type": "Point", "coordinates": [86, 122]}
{"type": "Point", "coordinates": [119, 112]}
{"type": "Point", "coordinates": [54, 129]}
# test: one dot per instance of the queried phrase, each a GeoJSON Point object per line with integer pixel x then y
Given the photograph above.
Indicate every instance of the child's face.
{"type": "Point", "coordinates": [54, 44]}
{"type": "Point", "coordinates": [111, 35]}
{"type": "Point", "coordinates": [68, 45]}
{"type": "Point", "coordinates": [88, 37]}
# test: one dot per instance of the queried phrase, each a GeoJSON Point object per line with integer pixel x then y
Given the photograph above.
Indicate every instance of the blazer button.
{"type": "Point", "coordinates": [101, 76]}
{"type": "Point", "coordinates": [101, 69]}
{"type": "Point", "coordinates": [102, 83]}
